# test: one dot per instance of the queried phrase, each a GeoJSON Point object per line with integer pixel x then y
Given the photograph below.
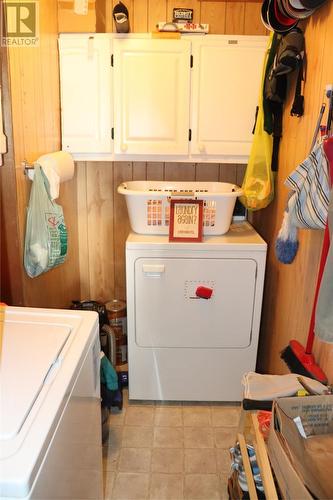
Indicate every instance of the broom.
{"type": "Point", "coordinates": [298, 359]}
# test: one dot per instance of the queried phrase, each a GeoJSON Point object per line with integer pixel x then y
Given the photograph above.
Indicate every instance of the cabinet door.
{"type": "Point", "coordinates": [152, 89]}
{"type": "Point", "coordinates": [85, 82]}
{"type": "Point", "coordinates": [226, 86]}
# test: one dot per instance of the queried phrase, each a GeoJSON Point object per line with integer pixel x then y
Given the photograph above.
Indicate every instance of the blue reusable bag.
{"type": "Point", "coordinates": [46, 232]}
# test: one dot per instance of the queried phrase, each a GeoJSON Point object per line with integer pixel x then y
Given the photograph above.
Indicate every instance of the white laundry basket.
{"type": "Point", "coordinates": [148, 204]}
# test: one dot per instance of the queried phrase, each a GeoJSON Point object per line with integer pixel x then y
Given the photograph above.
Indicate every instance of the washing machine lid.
{"type": "Point", "coordinates": [34, 347]}
{"type": "Point", "coordinates": [43, 351]}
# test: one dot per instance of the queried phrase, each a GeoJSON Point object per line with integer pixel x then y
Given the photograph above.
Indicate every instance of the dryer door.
{"type": "Point", "coordinates": [169, 314]}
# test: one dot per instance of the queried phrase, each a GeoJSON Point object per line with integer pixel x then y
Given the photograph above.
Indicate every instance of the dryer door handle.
{"type": "Point", "coordinates": [204, 292]}
{"type": "Point", "coordinates": [153, 270]}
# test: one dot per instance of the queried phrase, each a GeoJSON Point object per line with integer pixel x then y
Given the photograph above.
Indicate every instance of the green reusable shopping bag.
{"type": "Point", "coordinates": [46, 233]}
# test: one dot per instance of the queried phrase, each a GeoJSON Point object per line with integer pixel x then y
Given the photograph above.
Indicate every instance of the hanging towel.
{"type": "Point", "coordinates": [108, 374]}
{"type": "Point", "coordinates": [307, 205]}
{"type": "Point", "coordinates": [266, 387]}
{"type": "Point", "coordinates": [310, 182]}
{"type": "Point", "coordinates": [324, 311]}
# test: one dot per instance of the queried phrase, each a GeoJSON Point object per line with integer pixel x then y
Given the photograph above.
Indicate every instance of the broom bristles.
{"type": "Point", "coordinates": [296, 366]}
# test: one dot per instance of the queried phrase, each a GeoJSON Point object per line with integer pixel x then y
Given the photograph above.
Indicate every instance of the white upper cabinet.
{"type": "Point", "coordinates": [86, 97]}
{"type": "Point", "coordinates": [152, 96]}
{"type": "Point", "coordinates": [133, 97]}
{"type": "Point", "coordinates": [226, 79]}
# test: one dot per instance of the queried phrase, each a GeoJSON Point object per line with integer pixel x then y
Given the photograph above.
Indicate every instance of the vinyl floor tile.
{"type": "Point", "coordinates": [166, 487]}
{"type": "Point", "coordinates": [169, 451]}
{"type": "Point", "coordinates": [130, 486]}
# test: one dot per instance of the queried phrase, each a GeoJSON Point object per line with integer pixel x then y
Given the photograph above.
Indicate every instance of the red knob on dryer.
{"type": "Point", "coordinates": [204, 292]}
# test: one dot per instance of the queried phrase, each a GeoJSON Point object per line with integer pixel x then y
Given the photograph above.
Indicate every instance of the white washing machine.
{"type": "Point", "coordinates": [180, 346]}
{"type": "Point", "coordinates": [50, 421]}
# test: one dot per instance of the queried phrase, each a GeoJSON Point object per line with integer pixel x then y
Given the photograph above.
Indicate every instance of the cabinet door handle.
{"type": "Point", "coordinates": [123, 147]}
{"type": "Point", "coordinates": [201, 147]}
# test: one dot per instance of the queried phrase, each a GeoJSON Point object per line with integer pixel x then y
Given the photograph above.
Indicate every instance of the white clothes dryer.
{"type": "Point", "coordinates": [50, 424]}
{"type": "Point", "coordinates": [181, 346]}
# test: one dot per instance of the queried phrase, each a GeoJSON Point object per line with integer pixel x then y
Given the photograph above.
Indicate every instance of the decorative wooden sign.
{"type": "Point", "coordinates": [182, 15]}
{"type": "Point", "coordinates": [186, 220]}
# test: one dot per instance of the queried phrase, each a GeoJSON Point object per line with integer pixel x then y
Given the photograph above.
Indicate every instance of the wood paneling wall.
{"type": "Point", "coordinates": [223, 17]}
{"type": "Point", "coordinates": [69, 21]}
{"type": "Point", "coordinates": [241, 18]}
{"type": "Point", "coordinates": [34, 85]}
{"type": "Point", "coordinates": [10, 274]}
{"type": "Point", "coordinates": [289, 289]}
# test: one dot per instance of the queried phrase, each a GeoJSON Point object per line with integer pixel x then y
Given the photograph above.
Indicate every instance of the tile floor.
{"type": "Point", "coordinates": [169, 451]}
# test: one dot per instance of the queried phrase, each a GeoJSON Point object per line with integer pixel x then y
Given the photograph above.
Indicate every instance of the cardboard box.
{"type": "Point", "coordinates": [302, 465]}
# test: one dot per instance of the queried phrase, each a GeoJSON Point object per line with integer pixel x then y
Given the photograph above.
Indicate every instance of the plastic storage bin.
{"type": "Point", "coordinates": [148, 204]}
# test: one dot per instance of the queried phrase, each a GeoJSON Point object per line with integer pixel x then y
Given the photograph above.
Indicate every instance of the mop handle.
{"type": "Point", "coordinates": [323, 257]}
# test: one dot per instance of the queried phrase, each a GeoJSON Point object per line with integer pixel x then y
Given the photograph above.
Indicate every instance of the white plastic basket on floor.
{"type": "Point", "coordinates": [148, 204]}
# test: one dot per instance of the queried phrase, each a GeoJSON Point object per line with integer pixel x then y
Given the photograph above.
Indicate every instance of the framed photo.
{"type": "Point", "coordinates": [186, 220]}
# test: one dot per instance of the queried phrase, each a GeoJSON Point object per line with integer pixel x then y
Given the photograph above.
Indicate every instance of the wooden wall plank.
{"type": "Point", "coordinates": [122, 172]}
{"type": "Point", "coordinates": [157, 12]}
{"type": "Point", "coordinates": [240, 172]}
{"type": "Point", "coordinates": [108, 16]}
{"type": "Point", "coordinates": [140, 16]}
{"type": "Point", "coordinates": [11, 285]}
{"type": "Point", "coordinates": [179, 172]}
{"type": "Point", "coordinates": [235, 18]}
{"type": "Point", "coordinates": [253, 24]}
{"type": "Point", "coordinates": [68, 21]}
{"type": "Point", "coordinates": [100, 16]}
{"type": "Point", "coordinates": [208, 172]}
{"type": "Point", "coordinates": [155, 171]}
{"type": "Point", "coordinates": [139, 171]}
{"type": "Point", "coordinates": [83, 238]}
{"type": "Point", "coordinates": [214, 13]}
{"type": "Point", "coordinates": [130, 6]}
{"type": "Point", "coordinates": [228, 173]}
{"type": "Point", "coordinates": [100, 230]}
